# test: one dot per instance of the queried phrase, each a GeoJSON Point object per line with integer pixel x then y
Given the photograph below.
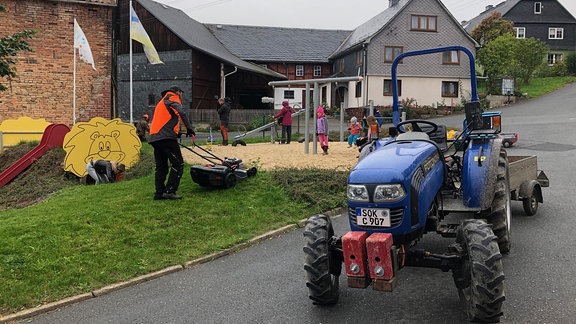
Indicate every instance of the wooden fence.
{"type": "Point", "coordinates": [237, 116]}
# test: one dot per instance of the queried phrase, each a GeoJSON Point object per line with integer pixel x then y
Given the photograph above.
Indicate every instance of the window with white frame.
{"type": "Point", "coordinates": [288, 94]}
{"type": "Point", "coordinates": [450, 89]}
{"type": "Point", "coordinates": [554, 58]}
{"type": "Point", "coordinates": [317, 70]}
{"type": "Point", "coordinates": [520, 32]}
{"type": "Point", "coordinates": [537, 8]}
{"type": "Point", "coordinates": [452, 57]}
{"type": "Point", "coordinates": [299, 70]}
{"type": "Point", "coordinates": [555, 33]}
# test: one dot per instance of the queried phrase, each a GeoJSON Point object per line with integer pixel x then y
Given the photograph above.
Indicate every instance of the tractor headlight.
{"type": "Point", "coordinates": [357, 192]}
{"type": "Point", "coordinates": [389, 192]}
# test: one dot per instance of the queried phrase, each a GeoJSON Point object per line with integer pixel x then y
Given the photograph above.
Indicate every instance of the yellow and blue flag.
{"type": "Point", "coordinates": [138, 33]}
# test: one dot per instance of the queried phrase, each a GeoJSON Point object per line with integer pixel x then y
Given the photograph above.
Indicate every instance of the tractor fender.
{"type": "Point", "coordinates": [528, 187]}
{"type": "Point", "coordinates": [480, 173]}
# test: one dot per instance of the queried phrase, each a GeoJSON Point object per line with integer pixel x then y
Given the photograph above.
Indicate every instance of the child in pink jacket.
{"type": "Point", "coordinates": [322, 129]}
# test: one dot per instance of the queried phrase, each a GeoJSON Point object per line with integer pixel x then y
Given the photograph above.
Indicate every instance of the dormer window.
{"type": "Point", "coordinates": [537, 8]}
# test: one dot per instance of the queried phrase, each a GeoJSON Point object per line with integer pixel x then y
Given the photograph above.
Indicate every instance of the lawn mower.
{"type": "Point", "coordinates": [222, 175]}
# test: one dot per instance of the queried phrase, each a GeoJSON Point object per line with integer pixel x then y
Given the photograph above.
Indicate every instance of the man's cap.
{"type": "Point", "coordinates": [175, 89]}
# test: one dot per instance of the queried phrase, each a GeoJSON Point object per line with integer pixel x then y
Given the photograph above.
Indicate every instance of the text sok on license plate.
{"type": "Point", "coordinates": [373, 217]}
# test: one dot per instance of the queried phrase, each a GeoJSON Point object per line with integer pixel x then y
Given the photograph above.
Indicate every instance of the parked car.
{"type": "Point", "coordinates": [508, 139]}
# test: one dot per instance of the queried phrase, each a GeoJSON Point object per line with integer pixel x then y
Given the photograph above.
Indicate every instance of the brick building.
{"type": "Point", "coordinates": [45, 84]}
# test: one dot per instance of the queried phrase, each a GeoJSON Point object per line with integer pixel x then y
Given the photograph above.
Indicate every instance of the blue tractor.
{"type": "Point", "coordinates": [404, 187]}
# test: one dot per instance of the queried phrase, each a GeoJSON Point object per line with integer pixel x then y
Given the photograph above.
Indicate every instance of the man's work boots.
{"type": "Point", "coordinates": [171, 195]}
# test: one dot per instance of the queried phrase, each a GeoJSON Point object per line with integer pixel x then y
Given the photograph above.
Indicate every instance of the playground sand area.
{"type": "Point", "coordinates": [268, 156]}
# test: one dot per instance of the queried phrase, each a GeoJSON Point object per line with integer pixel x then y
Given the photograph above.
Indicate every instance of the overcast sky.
{"type": "Point", "coordinates": [318, 14]}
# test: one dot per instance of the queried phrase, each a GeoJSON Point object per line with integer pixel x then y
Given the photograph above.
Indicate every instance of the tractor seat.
{"type": "Point", "coordinates": [439, 137]}
{"type": "Point", "coordinates": [409, 136]}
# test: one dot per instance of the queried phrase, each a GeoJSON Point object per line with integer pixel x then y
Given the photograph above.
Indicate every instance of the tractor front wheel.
{"type": "Point", "coordinates": [321, 263]}
{"type": "Point", "coordinates": [480, 278]}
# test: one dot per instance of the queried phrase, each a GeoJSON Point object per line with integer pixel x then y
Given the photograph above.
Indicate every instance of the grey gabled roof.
{"type": "Point", "coordinates": [380, 22]}
{"type": "Point", "coordinates": [502, 8]}
{"type": "Point", "coordinates": [197, 36]}
{"type": "Point", "coordinates": [371, 27]}
{"type": "Point", "coordinates": [255, 43]}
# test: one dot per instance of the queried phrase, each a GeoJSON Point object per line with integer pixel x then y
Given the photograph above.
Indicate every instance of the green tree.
{"type": "Point", "coordinates": [497, 58]}
{"type": "Point", "coordinates": [491, 28]}
{"type": "Point", "coordinates": [571, 63]}
{"type": "Point", "coordinates": [509, 57]}
{"type": "Point", "coordinates": [529, 55]}
{"type": "Point", "coordinates": [9, 48]}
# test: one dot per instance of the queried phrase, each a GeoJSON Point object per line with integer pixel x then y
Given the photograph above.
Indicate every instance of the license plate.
{"type": "Point", "coordinates": [373, 217]}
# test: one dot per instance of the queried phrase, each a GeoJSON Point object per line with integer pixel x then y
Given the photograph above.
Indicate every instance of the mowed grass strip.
{"type": "Point", "coordinates": [86, 237]}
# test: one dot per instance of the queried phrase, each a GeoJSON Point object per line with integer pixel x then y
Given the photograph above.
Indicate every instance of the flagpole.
{"type": "Point", "coordinates": [74, 92]}
{"type": "Point", "coordinates": [130, 41]}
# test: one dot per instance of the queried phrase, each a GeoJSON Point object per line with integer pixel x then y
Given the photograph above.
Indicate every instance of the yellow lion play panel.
{"type": "Point", "coordinates": [100, 139]}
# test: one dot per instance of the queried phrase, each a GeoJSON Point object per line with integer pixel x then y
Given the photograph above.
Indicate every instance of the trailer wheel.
{"type": "Point", "coordinates": [530, 204]}
{"type": "Point", "coordinates": [499, 215]}
{"type": "Point", "coordinates": [321, 264]}
{"type": "Point", "coordinates": [480, 278]}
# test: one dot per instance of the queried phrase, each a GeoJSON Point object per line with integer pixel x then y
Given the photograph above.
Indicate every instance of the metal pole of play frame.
{"type": "Point", "coordinates": [316, 99]}
{"type": "Point", "coordinates": [341, 122]}
{"type": "Point", "coordinates": [307, 120]}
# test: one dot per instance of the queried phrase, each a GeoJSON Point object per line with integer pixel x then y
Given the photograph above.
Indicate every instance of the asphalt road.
{"type": "Point", "coordinates": [265, 283]}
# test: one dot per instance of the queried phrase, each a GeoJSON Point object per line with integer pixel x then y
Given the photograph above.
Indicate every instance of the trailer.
{"type": "Point", "coordinates": [526, 182]}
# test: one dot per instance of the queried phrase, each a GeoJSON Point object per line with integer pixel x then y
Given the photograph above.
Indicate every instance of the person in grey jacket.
{"type": "Point", "coordinates": [103, 171]}
{"type": "Point", "coordinates": [224, 115]}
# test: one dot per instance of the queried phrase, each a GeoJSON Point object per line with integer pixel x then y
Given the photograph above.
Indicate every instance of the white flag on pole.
{"type": "Point", "coordinates": [81, 43]}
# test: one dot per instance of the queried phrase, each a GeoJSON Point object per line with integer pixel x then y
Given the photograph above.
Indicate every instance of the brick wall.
{"type": "Point", "coordinates": [45, 83]}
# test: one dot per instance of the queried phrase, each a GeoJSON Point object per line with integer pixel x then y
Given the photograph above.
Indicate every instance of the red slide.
{"type": "Point", "coordinates": [53, 137]}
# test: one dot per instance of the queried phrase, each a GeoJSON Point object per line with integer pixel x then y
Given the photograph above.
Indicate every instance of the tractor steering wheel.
{"type": "Point", "coordinates": [415, 127]}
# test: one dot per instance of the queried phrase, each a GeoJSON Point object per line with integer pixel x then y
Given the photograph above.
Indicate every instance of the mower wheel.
{"type": "Point", "coordinates": [480, 278]}
{"type": "Point", "coordinates": [252, 171]}
{"type": "Point", "coordinates": [320, 263]}
{"type": "Point", "coordinates": [236, 142]}
{"type": "Point", "coordinates": [229, 180]}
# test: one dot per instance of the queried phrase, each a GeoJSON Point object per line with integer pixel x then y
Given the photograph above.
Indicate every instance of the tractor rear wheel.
{"type": "Point", "coordinates": [321, 264]}
{"type": "Point", "coordinates": [500, 214]}
{"type": "Point", "coordinates": [480, 278]}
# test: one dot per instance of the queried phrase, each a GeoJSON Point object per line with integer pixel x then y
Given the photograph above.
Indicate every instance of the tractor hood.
{"type": "Point", "coordinates": [392, 163]}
